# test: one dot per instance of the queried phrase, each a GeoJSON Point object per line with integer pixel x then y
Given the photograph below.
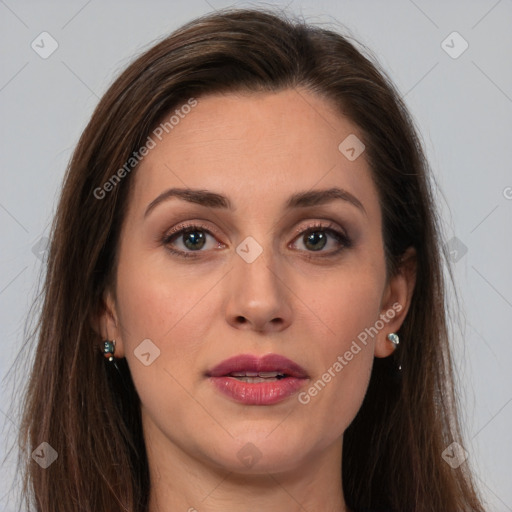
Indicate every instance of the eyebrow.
{"type": "Point", "coordinates": [214, 200]}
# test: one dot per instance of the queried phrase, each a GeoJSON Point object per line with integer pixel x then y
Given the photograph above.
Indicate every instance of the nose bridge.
{"type": "Point", "coordinates": [255, 269]}
{"type": "Point", "coordinates": [258, 293]}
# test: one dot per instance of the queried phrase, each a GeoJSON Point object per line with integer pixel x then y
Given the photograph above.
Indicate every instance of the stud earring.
{"type": "Point", "coordinates": [394, 339]}
{"type": "Point", "coordinates": [109, 348]}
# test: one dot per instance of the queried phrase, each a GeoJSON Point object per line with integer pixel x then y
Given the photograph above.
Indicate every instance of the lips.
{"type": "Point", "coordinates": [268, 366]}
{"type": "Point", "coordinates": [252, 380]}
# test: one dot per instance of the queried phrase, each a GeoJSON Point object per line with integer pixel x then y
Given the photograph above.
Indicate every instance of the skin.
{"type": "Point", "coordinates": [256, 149]}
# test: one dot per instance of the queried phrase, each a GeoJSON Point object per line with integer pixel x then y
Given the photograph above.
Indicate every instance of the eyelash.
{"type": "Point", "coordinates": [182, 229]}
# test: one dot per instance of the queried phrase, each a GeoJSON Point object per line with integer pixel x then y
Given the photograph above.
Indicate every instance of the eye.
{"type": "Point", "coordinates": [317, 237]}
{"type": "Point", "coordinates": [189, 239]}
{"type": "Point", "coordinates": [185, 240]}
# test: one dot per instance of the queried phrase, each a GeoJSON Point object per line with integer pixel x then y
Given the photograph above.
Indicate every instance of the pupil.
{"type": "Point", "coordinates": [196, 238]}
{"type": "Point", "coordinates": [314, 238]}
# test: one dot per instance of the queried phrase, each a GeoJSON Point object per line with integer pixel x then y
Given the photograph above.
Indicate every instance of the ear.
{"type": "Point", "coordinates": [396, 301]}
{"type": "Point", "coordinates": [105, 322]}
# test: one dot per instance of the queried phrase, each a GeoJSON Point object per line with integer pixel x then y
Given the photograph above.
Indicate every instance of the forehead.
{"type": "Point", "coordinates": [247, 145]}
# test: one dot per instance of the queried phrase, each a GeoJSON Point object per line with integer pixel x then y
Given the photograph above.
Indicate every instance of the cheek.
{"type": "Point", "coordinates": [348, 307]}
{"type": "Point", "coordinates": [336, 392]}
{"type": "Point", "coordinates": [346, 302]}
{"type": "Point", "coordinates": [172, 309]}
{"type": "Point", "coordinates": [165, 309]}
{"type": "Point", "coordinates": [159, 303]}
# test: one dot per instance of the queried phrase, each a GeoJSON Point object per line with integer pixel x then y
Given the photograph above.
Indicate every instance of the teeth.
{"type": "Point", "coordinates": [253, 380]}
{"type": "Point", "coordinates": [255, 375]}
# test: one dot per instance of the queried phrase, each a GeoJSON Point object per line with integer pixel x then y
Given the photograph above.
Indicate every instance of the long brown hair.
{"type": "Point", "coordinates": [90, 413]}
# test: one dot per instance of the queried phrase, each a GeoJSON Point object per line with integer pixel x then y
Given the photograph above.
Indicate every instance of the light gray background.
{"type": "Point", "coordinates": [462, 106]}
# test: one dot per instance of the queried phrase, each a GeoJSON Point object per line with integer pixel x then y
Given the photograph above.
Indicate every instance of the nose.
{"type": "Point", "coordinates": [259, 296]}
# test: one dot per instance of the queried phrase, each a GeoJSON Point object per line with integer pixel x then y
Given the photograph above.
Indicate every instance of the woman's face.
{"type": "Point", "coordinates": [277, 265]}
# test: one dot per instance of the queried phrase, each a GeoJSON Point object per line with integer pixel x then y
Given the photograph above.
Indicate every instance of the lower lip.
{"type": "Point", "coordinates": [258, 393]}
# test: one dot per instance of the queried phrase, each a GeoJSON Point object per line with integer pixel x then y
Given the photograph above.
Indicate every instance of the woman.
{"type": "Point", "coordinates": [244, 301]}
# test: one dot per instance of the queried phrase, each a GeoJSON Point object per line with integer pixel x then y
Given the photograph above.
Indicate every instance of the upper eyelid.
{"type": "Point", "coordinates": [182, 226]}
{"type": "Point", "coordinates": [329, 226]}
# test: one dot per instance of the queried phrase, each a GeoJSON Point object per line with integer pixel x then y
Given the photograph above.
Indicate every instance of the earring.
{"type": "Point", "coordinates": [109, 348]}
{"type": "Point", "coordinates": [394, 339]}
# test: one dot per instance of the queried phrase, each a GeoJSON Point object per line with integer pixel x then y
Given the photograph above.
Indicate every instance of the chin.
{"type": "Point", "coordinates": [260, 453]}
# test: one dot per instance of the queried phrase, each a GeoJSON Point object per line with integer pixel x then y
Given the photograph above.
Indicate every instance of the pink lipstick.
{"type": "Point", "coordinates": [253, 380]}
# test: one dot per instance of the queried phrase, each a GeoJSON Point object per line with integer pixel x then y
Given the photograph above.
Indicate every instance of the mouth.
{"type": "Point", "coordinates": [269, 367]}
{"type": "Point", "coordinates": [253, 380]}
{"type": "Point", "coordinates": [257, 376]}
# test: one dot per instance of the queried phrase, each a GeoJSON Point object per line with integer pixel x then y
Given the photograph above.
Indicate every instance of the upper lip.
{"type": "Point", "coordinates": [251, 363]}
